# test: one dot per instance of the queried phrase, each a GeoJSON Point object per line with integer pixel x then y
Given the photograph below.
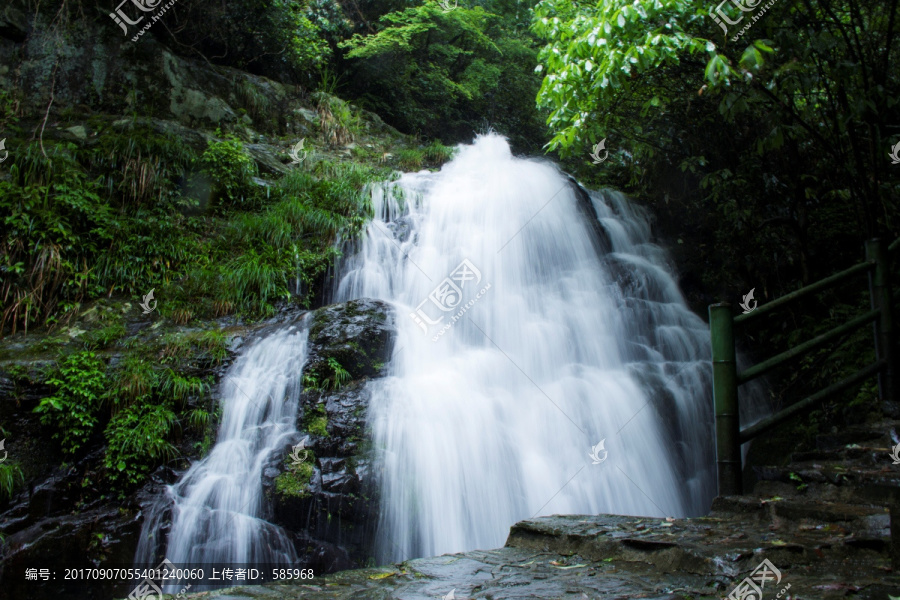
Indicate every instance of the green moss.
{"type": "Point", "coordinates": [211, 345]}
{"type": "Point", "coordinates": [294, 483]}
{"type": "Point", "coordinates": [105, 336]}
{"type": "Point", "coordinates": [317, 421]}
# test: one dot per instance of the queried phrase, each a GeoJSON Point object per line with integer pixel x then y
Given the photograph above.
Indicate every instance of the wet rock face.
{"type": "Point", "coordinates": [64, 522]}
{"type": "Point", "coordinates": [357, 334]}
{"type": "Point", "coordinates": [67, 517]}
{"type": "Point", "coordinates": [328, 500]}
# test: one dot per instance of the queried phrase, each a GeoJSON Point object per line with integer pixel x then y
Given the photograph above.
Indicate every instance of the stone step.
{"type": "Point", "coordinates": [831, 481]}
{"type": "Point", "coordinates": [798, 509]}
{"type": "Point", "coordinates": [880, 434]}
{"type": "Point", "coordinates": [821, 550]}
{"type": "Point", "coordinates": [864, 454]}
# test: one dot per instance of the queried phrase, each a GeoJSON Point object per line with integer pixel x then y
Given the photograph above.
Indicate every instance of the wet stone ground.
{"type": "Point", "coordinates": [829, 538]}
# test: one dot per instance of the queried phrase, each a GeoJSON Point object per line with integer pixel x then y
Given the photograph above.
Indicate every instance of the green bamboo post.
{"type": "Point", "coordinates": [894, 509]}
{"type": "Point", "coordinates": [728, 447]}
{"type": "Point", "coordinates": [879, 288]}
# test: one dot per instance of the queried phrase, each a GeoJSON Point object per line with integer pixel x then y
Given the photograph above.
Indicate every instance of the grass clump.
{"type": "Point", "coordinates": [337, 122]}
{"type": "Point", "coordinates": [411, 159]}
{"type": "Point", "coordinates": [330, 376]}
{"type": "Point", "coordinates": [339, 375]}
{"type": "Point", "coordinates": [9, 473]}
{"type": "Point", "coordinates": [437, 153]}
{"type": "Point", "coordinates": [206, 346]}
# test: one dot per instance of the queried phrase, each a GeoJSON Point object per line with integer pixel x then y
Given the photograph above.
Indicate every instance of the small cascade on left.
{"type": "Point", "coordinates": [216, 508]}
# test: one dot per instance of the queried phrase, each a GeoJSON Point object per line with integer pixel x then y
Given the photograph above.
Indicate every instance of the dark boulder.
{"type": "Point", "coordinates": [357, 334]}
{"type": "Point", "coordinates": [329, 501]}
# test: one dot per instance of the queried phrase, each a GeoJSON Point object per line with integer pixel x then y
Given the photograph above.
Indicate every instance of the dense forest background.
{"type": "Point", "coordinates": [765, 161]}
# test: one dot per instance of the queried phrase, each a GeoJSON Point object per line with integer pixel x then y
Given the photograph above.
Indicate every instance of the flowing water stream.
{"type": "Point", "coordinates": [545, 363]}
{"type": "Point", "coordinates": [216, 508]}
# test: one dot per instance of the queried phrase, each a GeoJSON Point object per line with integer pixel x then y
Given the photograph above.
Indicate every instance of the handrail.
{"type": "Point", "coordinates": [808, 402]}
{"type": "Point", "coordinates": [726, 379]}
{"type": "Point", "coordinates": [767, 365]}
{"type": "Point", "coordinates": [804, 291]}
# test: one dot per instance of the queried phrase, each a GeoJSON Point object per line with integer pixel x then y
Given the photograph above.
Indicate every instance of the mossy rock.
{"type": "Point", "coordinates": [294, 482]}
{"type": "Point", "coordinates": [358, 334]}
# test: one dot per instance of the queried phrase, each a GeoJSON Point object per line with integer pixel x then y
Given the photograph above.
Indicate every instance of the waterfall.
{"type": "Point", "coordinates": [216, 507]}
{"type": "Point", "coordinates": [536, 320]}
{"type": "Point", "coordinates": [545, 363]}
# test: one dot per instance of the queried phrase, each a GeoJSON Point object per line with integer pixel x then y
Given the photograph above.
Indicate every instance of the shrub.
{"type": "Point", "coordinates": [104, 336]}
{"type": "Point", "coordinates": [54, 221]}
{"type": "Point", "coordinates": [137, 442]}
{"type": "Point", "coordinates": [231, 169]}
{"type": "Point", "coordinates": [80, 382]}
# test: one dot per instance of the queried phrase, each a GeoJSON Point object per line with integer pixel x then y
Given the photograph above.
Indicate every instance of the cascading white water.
{"type": "Point", "coordinates": [216, 506]}
{"type": "Point", "coordinates": [567, 336]}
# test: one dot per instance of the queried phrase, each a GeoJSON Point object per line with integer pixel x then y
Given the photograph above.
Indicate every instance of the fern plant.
{"type": "Point", "coordinates": [340, 376]}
